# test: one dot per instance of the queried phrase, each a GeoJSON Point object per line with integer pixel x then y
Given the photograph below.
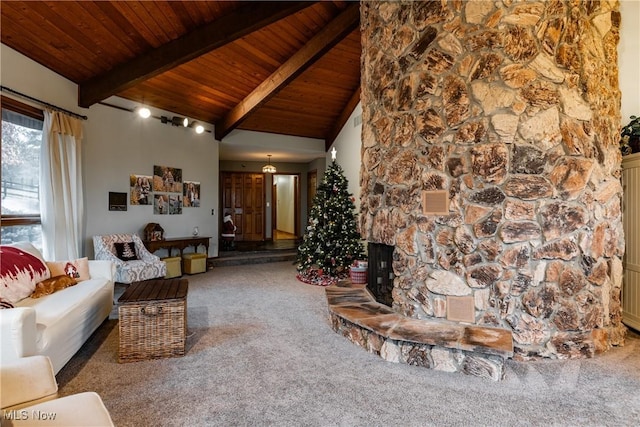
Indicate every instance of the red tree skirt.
{"type": "Point", "coordinates": [313, 277]}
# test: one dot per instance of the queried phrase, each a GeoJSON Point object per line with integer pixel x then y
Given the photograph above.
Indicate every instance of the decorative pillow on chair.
{"type": "Point", "coordinates": [78, 269]}
{"type": "Point", "coordinates": [53, 284]}
{"type": "Point", "coordinates": [19, 273]}
{"type": "Point", "coordinates": [126, 251]}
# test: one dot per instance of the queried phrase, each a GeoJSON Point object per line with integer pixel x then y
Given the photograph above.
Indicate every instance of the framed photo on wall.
{"type": "Point", "coordinates": [140, 189]}
{"type": "Point", "coordinates": [191, 194]}
{"type": "Point", "coordinates": [160, 204]}
{"type": "Point", "coordinates": [175, 204]}
{"type": "Point", "coordinates": [117, 201]}
{"type": "Point", "coordinates": [167, 179]}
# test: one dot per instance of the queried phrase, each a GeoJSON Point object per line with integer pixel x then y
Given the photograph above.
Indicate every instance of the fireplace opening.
{"type": "Point", "coordinates": [380, 272]}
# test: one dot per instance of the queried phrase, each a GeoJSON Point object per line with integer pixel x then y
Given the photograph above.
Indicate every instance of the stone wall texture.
{"type": "Point", "coordinates": [513, 108]}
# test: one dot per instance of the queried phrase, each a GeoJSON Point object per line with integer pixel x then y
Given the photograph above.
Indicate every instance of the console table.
{"type": "Point", "coordinates": [179, 243]}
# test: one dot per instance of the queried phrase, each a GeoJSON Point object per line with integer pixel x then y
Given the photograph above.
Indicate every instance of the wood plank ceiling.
{"type": "Point", "coordinates": [289, 68]}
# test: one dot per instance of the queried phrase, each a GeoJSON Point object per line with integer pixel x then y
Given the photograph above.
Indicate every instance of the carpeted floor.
{"type": "Point", "coordinates": [262, 354]}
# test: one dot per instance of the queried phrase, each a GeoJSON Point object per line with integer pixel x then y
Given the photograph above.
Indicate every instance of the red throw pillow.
{"type": "Point", "coordinates": [19, 273]}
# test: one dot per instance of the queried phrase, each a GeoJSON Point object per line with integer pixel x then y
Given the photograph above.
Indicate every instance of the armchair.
{"type": "Point", "coordinates": [147, 266]}
{"type": "Point", "coordinates": [29, 397]}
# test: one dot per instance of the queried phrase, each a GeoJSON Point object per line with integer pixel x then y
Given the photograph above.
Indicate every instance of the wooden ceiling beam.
{"type": "Point", "coordinates": [322, 42]}
{"type": "Point", "coordinates": [250, 17]}
{"type": "Point", "coordinates": [342, 119]}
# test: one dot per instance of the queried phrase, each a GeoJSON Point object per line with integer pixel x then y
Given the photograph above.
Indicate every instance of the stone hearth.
{"type": "Point", "coordinates": [511, 108]}
{"type": "Point", "coordinates": [435, 344]}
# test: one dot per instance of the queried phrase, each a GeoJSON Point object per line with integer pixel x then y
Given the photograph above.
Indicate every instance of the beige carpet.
{"type": "Point", "coordinates": [262, 354]}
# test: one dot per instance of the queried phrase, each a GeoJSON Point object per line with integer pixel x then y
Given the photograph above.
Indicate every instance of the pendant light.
{"type": "Point", "coordinates": [269, 168]}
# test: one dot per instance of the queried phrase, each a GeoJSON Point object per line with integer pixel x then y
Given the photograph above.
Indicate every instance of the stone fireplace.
{"type": "Point", "coordinates": [511, 108]}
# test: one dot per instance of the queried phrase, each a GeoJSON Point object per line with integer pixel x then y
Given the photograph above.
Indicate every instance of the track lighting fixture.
{"type": "Point", "coordinates": [145, 113]}
{"type": "Point", "coordinates": [183, 121]}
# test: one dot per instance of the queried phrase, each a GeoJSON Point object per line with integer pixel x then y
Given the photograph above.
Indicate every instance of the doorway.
{"type": "Point", "coordinates": [285, 197]}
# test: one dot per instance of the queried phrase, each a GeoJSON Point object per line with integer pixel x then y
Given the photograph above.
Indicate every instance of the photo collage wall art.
{"type": "Point", "coordinates": [165, 190]}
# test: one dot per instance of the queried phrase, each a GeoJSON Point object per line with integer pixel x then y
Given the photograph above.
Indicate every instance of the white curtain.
{"type": "Point", "coordinates": [61, 200]}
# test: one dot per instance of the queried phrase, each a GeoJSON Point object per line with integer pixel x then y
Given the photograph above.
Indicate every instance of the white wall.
{"type": "Point", "coordinates": [629, 59]}
{"type": "Point", "coordinates": [348, 145]}
{"type": "Point", "coordinates": [318, 165]}
{"type": "Point", "coordinates": [115, 145]}
{"type": "Point", "coordinates": [255, 146]}
{"type": "Point", "coordinates": [24, 75]}
{"type": "Point", "coordinates": [119, 144]}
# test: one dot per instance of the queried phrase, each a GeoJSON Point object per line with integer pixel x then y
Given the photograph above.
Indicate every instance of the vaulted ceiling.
{"type": "Point", "coordinates": [288, 67]}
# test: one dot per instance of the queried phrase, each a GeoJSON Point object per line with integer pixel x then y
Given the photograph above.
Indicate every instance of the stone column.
{"type": "Point", "coordinates": [512, 107]}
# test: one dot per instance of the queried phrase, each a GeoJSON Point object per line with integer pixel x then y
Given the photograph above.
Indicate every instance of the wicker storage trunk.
{"type": "Point", "coordinates": [153, 321]}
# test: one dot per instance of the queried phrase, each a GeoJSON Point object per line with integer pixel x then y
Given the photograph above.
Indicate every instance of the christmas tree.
{"type": "Point", "coordinates": [331, 241]}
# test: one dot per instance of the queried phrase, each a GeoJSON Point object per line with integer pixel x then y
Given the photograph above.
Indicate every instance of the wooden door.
{"type": "Point", "coordinates": [243, 197]}
{"type": "Point", "coordinates": [253, 206]}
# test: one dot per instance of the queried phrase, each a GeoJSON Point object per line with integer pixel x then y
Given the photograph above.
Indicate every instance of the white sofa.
{"type": "Point", "coordinates": [57, 325]}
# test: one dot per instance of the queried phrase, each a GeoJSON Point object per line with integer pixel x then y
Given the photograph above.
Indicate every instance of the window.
{"type": "Point", "coordinates": [20, 189]}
